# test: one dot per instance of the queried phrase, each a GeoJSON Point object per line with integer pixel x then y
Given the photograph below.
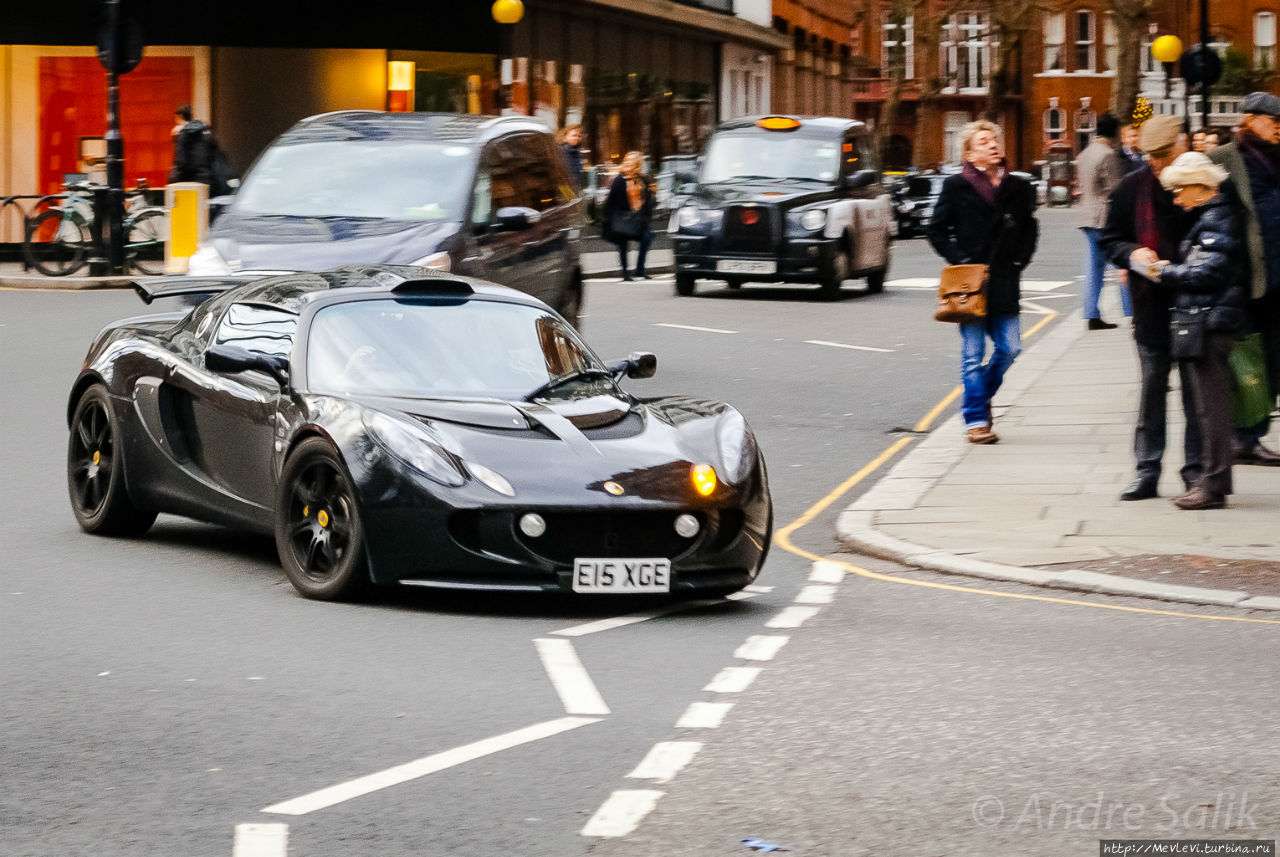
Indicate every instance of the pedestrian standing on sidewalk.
{"type": "Point", "coordinates": [1253, 162]}
{"type": "Point", "coordinates": [1209, 277]}
{"type": "Point", "coordinates": [1100, 170]}
{"type": "Point", "coordinates": [1143, 226]}
{"type": "Point", "coordinates": [1131, 149]}
{"type": "Point", "coordinates": [628, 213]}
{"type": "Point", "coordinates": [570, 140]}
{"type": "Point", "coordinates": [986, 215]}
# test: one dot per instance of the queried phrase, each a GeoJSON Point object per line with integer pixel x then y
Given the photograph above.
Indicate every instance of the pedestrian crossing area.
{"type": "Point", "coordinates": [920, 284]}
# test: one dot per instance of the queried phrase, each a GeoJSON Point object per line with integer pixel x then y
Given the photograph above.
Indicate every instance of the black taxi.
{"type": "Point", "coordinates": [793, 199]}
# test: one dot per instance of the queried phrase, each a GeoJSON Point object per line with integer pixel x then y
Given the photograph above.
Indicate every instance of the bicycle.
{"type": "Point", "coordinates": [58, 239]}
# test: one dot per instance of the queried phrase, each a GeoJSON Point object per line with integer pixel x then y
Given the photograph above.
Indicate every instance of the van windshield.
{"type": "Point", "coordinates": [382, 179]}
{"type": "Point", "coordinates": [770, 155]}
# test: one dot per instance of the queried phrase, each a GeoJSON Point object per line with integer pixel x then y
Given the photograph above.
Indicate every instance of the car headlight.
{"type": "Point", "coordinates": [416, 447]}
{"type": "Point", "coordinates": [737, 446]}
{"type": "Point", "coordinates": [908, 205]}
{"type": "Point", "coordinates": [814, 219]}
{"type": "Point", "coordinates": [208, 262]}
{"type": "Point", "coordinates": [688, 216]}
{"type": "Point", "coordinates": [491, 479]}
{"type": "Point", "coordinates": [438, 261]}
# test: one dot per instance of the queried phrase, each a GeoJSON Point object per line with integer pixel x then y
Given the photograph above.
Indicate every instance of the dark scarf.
{"type": "Point", "coordinates": [981, 182]}
{"type": "Point", "coordinates": [1147, 227]}
{"type": "Point", "coordinates": [1262, 157]}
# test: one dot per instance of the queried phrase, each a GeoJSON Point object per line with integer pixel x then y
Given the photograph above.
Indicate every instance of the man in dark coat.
{"type": "Point", "coordinates": [194, 149]}
{"type": "Point", "coordinates": [1253, 162]}
{"type": "Point", "coordinates": [986, 215]}
{"type": "Point", "coordinates": [1144, 225]}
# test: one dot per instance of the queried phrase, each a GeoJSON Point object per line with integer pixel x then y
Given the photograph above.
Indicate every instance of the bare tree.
{"type": "Point", "coordinates": [1011, 22]}
{"type": "Point", "coordinates": [1132, 19]}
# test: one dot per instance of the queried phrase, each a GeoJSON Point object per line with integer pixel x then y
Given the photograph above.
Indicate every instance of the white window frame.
{"type": "Point", "coordinates": [1147, 63]}
{"type": "Point", "coordinates": [1055, 130]}
{"type": "Point", "coordinates": [1089, 45]}
{"type": "Point", "coordinates": [1264, 40]}
{"type": "Point", "coordinates": [1086, 127]}
{"type": "Point", "coordinates": [1055, 41]}
{"type": "Point", "coordinates": [1110, 41]}
{"type": "Point", "coordinates": [967, 48]}
{"type": "Point", "coordinates": [899, 35]}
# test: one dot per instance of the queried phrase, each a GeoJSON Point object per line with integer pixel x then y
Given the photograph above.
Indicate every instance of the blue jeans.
{"type": "Point", "coordinates": [982, 381]}
{"type": "Point", "coordinates": [1095, 272]}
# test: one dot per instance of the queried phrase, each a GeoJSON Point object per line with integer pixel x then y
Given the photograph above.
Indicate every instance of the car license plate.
{"type": "Point", "coordinates": [621, 575]}
{"type": "Point", "coordinates": [746, 266]}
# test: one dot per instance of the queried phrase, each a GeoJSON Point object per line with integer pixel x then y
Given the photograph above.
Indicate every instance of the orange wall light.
{"type": "Point", "coordinates": [400, 74]}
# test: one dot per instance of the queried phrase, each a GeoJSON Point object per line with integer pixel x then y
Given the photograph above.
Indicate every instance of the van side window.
{"type": "Point", "coordinates": [867, 153]}
{"type": "Point", "coordinates": [850, 156]}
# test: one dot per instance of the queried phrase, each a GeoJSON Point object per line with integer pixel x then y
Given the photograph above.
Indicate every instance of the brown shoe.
{"type": "Point", "coordinates": [1198, 498]}
{"type": "Point", "coordinates": [982, 435]}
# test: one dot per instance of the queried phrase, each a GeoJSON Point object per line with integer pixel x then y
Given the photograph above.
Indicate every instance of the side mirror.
{"type": "Point", "coordinates": [232, 358]}
{"type": "Point", "coordinates": [860, 179]}
{"type": "Point", "coordinates": [641, 364]}
{"type": "Point", "coordinates": [686, 177]}
{"type": "Point", "coordinates": [515, 218]}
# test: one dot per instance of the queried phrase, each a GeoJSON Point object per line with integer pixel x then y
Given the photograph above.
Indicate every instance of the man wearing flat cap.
{"type": "Point", "coordinates": [1252, 160]}
{"type": "Point", "coordinates": [1144, 225]}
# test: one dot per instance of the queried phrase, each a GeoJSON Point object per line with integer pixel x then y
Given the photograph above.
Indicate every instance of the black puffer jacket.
{"type": "Point", "coordinates": [966, 229]}
{"type": "Point", "coordinates": [1211, 272]}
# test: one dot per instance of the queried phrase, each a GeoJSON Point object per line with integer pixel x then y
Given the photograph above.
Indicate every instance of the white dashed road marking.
{"type": "Point", "coordinates": [817, 593]}
{"type": "Point", "coordinates": [427, 765]}
{"type": "Point", "coordinates": [826, 572]}
{"type": "Point", "coordinates": [665, 760]}
{"type": "Point", "coordinates": [703, 715]}
{"type": "Point", "coordinates": [261, 840]}
{"type": "Point", "coordinates": [732, 680]}
{"type": "Point", "coordinates": [692, 327]}
{"type": "Point", "coordinates": [792, 617]}
{"type": "Point", "coordinates": [928, 284]}
{"type": "Point", "coordinates": [622, 812]}
{"type": "Point", "coordinates": [760, 648]}
{"type": "Point", "coordinates": [845, 345]}
{"type": "Point", "coordinates": [632, 618]}
{"type": "Point", "coordinates": [569, 677]}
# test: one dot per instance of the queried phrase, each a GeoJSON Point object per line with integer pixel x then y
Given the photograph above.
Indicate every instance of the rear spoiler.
{"type": "Point", "coordinates": [185, 286]}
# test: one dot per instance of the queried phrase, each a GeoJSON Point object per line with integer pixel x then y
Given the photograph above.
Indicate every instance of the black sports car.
{"type": "Point", "coordinates": [394, 424]}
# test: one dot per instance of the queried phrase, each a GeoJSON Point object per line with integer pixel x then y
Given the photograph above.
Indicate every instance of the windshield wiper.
{"type": "Point", "coordinates": [575, 375]}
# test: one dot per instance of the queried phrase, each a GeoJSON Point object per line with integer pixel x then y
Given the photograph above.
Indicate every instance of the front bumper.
{"type": "Point", "coordinates": [797, 260]}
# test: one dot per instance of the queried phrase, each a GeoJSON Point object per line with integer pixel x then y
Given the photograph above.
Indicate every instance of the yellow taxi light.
{"type": "Point", "coordinates": [778, 123]}
{"type": "Point", "coordinates": [704, 479]}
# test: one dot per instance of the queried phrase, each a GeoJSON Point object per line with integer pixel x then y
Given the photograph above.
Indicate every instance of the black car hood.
{"type": "Point", "coordinates": [583, 413]}
{"type": "Point", "coordinates": [277, 242]}
{"type": "Point", "coordinates": [786, 194]}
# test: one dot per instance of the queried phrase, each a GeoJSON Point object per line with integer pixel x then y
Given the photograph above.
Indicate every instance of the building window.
{"type": "Point", "coordinates": [968, 51]}
{"type": "Point", "coordinates": [899, 46]}
{"type": "Point", "coordinates": [1147, 62]}
{"type": "Point", "coordinates": [1086, 123]}
{"type": "Point", "coordinates": [1055, 36]}
{"type": "Point", "coordinates": [1055, 122]}
{"type": "Point", "coordinates": [1110, 42]}
{"type": "Point", "coordinates": [1085, 56]}
{"type": "Point", "coordinates": [1264, 40]}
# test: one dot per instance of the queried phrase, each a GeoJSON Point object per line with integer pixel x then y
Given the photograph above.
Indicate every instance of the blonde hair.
{"type": "Point", "coordinates": [968, 132]}
{"type": "Point", "coordinates": [635, 155]}
{"type": "Point", "coordinates": [563, 133]}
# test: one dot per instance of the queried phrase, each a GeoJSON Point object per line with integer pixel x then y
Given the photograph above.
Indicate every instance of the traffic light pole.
{"type": "Point", "coordinates": [115, 149]}
{"type": "Point", "coordinates": [1204, 44]}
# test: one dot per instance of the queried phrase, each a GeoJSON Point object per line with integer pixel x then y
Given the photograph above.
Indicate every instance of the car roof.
{"type": "Point", "coordinates": [293, 292]}
{"type": "Point", "coordinates": [376, 124]}
{"type": "Point", "coordinates": [833, 124]}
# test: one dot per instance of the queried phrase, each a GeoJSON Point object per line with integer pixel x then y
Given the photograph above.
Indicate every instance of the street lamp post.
{"type": "Point", "coordinates": [507, 13]}
{"type": "Point", "coordinates": [1204, 46]}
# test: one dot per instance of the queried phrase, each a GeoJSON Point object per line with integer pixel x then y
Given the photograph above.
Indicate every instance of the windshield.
{"type": "Point", "coordinates": [387, 180]}
{"type": "Point", "coordinates": [421, 349]}
{"type": "Point", "coordinates": [770, 155]}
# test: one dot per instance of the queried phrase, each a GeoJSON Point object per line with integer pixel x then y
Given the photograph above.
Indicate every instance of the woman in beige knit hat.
{"type": "Point", "coordinates": [1209, 280]}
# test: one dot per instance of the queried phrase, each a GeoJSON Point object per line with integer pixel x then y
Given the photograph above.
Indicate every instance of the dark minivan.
{"type": "Point", "coordinates": [796, 199]}
{"type": "Point", "coordinates": [483, 196]}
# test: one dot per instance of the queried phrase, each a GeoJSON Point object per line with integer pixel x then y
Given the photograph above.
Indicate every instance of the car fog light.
{"type": "Point", "coordinates": [532, 525]}
{"type": "Point", "coordinates": [687, 526]}
{"type": "Point", "coordinates": [814, 219]}
{"type": "Point", "coordinates": [704, 479]}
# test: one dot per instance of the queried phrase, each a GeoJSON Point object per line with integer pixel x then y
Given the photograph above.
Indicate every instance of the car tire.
{"type": "Point", "coordinates": [95, 471]}
{"type": "Point", "coordinates": [835, 276]}
{"type": "Point", "coordinates": [685, 284]}
{"type": "Point", "coordinates": [319, 533]}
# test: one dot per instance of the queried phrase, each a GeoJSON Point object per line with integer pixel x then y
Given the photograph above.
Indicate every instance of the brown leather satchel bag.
{"type": "Point", "coordinates": [962, 294]}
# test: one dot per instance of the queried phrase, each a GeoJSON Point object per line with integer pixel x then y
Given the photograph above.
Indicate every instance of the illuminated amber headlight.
{"type": "Point", "coordinates": [704, 479]}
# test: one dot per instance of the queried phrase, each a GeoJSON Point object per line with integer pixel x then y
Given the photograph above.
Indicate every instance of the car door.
{"type": "Point", "coordinates": [500, 254]}
{"type": "Point", "coordinates": [230, 419]}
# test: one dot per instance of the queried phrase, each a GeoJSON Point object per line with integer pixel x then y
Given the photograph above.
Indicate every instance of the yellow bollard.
{"type": "Point", "coordinates": [187, 204]}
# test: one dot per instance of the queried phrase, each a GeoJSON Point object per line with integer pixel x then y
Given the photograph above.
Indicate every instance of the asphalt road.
{"type": "Point", "coordinates": [158, 693]}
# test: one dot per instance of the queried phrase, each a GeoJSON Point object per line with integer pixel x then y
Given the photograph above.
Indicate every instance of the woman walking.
{"type": "Point", "coordinates": [628, 213]}
{"type": "Point", "coordinates": [986, 216]}
{"type": "Point", "coordinates": [1209, 282]}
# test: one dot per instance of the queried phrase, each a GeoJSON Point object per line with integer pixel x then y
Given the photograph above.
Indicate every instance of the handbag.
{"type": "Point", "coordinates": [1251, 394]}
{"type": "Point", "coordinates": [962, 295]}
{"type": "Point", "coordinates": [1186, 333]}
{"type": "Point", "coordinates": [628, 225]}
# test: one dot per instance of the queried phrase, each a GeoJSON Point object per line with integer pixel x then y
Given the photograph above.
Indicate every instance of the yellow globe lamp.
{"type": "Point", "coordinates": [1164, 49]}
{"type": "Point", "coordinates": [507, 11]}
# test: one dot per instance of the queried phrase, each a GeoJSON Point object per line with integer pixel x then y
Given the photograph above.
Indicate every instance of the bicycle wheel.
{"type": "Point", "coordinates": [56, 242]}
{"type": "Point", "coordinates": [144, 241]}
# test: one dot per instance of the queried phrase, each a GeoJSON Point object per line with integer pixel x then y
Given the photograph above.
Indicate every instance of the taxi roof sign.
{"type": "Point", "coordinates": [778, 123]}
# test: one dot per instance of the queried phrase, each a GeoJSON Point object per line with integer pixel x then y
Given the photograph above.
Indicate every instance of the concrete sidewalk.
{"type": "Point", "coordinates": [1042, 506]}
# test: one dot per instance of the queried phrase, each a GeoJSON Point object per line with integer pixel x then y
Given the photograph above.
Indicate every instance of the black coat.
{"type": "Point", "coordinates": [617, 200]}
{"type": "Point", "coordinates": [194, 153]}
{"type": "Point", "coordinates": [1119, 239]}
{"type": "Point", "coordinates": [1210, 271]}
{"type": "Point", "coordinates": [966, 229]}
